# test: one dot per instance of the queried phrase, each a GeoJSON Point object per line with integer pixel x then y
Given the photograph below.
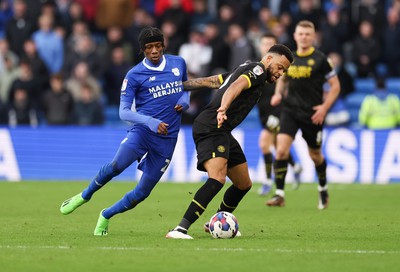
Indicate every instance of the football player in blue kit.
{"type": "Point", "coordinates": [155, 84]}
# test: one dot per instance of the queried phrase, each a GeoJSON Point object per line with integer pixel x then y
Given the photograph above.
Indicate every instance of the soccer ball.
{"type": "Point", "coordinates": [223, 225]}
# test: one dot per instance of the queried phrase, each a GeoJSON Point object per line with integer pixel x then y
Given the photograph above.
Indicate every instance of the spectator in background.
{"type": "Point", "coordinates": [173, 39]}
{"type": "Point", "coordinates": [39, 68]}
{"type": "Point", "coordinates": [57, 103]}
{"type": "Point", "coordinates": [21, 110]}
{"type": "Point", "coordinates": [19, 28]}
{"type": "Point", "coordinates": [7, 77]}
{"type": "Point", "coordinates": [380, 110]}
{"type": "Point", "coordinates": [79, 29]}
{"type": "Point", "coordinates": [49, 44]}
{"type": "Point", "coordinates": [345, 78]}
{"type": "Point", "coordinates": [27, 81]}
{"type": "Point", "coordinates": [241, 48]}
{"type": "Point", "coordinates": [115, 38]}
{"type": "Point", "coordinates": [196, 53]}
{"type": "Point", "coordinates": [200, 16]}
{"type": "Point", "coordinates": [72, 14]}
{"type": "Point", "coordinates": [88, 110]}
{"type": "Point", "coordinates": [84, 51]}
{"type": "Point", "coordinates": [6, 13]}
{"type": "Point", "coordinates": [220, 49]}
{"type": "Point", "coordinates": [391, 42]}
{"type": "Point", "coordinates": [334, 32]}
{"type": "Point", "coordinates": [5, 52]}
{"type": "Point", "coordinates": [177, 11]}
{"type": "Point", "coordinates": [366, 50]}
{"type": "Point", "coordinates": [81, 75]}
{"type": "Point", "coordinates": [114, 75]}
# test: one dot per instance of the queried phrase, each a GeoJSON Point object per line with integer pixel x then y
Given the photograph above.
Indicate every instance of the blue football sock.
{"type": "Point", "coordinates": [105, 174]}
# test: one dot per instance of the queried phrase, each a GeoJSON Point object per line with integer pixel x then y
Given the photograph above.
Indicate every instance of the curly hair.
{"type": "Point", "coordinates": [150, 34]}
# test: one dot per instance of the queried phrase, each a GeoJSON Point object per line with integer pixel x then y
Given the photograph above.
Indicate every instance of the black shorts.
{"type": "Point", "coordinates": [211, 143]}
{"type": "Point", "coordinates": [290, 123]}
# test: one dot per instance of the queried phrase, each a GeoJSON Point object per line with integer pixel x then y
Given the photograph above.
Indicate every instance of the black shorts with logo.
{"type": "Point", "coordinates": [290, 123]}
{"type": "Point", "coordinates": [211, 143]}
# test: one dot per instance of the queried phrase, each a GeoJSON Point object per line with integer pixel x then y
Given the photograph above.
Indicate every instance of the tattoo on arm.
{"type": "Point", "coordinates": [202, 82]}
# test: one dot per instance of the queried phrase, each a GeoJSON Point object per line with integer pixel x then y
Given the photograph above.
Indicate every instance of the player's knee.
{"type": "Point", "coordinates": [116, 168]}
{"type": "Point", "coordinates": [282, 154]}
{"type": "Point", "coordinates": [316, 157]}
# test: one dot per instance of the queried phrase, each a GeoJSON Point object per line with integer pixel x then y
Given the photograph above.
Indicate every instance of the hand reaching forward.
{"type": "Point", "coordinates": [221, 116]}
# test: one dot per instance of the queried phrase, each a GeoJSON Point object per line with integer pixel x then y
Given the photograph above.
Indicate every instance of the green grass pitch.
{"type": "Point", "coordinates": [360, 231]}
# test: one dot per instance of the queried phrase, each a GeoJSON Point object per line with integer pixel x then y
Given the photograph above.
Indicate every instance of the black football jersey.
{"type": "Point", "coordinates": [306, 77]}
{"type": "Point", "coordinates": [255, 73]}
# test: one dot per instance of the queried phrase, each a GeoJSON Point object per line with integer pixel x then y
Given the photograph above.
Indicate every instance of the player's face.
{"type": "Point", "coordinates": [304, 37]}
{"type": "Point", "coordinates": [278, 66]}
{"type": "Point", "coordinates": [153, 51]}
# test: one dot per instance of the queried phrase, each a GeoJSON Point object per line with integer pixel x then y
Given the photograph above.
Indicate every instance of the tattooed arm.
{"type": "Point", "coordinates": [212, 82]}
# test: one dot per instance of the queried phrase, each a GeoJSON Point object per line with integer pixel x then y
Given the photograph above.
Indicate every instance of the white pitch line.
{"type": "Point", "coordinates": [289, 251]}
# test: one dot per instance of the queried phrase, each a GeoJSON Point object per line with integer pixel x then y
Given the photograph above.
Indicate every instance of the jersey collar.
{"type": "Point", "coordinates": [151, 66]}
{"type": "Point", "coordinates": [309, 52]}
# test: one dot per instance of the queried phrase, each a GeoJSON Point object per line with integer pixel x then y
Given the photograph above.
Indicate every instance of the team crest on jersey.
{"type": "Point", "coordinates": [310, 62]}
{"type": "Point", "coordinates": [124, 84]}
{"type": "Point", "coordinates": [258, 70]}
{"type": "Point", "coordinates": [175, 71]}
{"type": "Point", "coordinates": [221, 148]}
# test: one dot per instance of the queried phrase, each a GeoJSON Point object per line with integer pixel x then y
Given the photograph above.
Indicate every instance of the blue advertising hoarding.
{"type": "Point", "coordinates": [76, 153]}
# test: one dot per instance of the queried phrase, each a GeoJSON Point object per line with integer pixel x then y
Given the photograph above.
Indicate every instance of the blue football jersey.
{"type": "Point", "coordinates": [157, 89]}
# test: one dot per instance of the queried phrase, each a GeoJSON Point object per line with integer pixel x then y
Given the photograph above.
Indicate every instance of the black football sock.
{"type": "Point", "coordinates": [280, 169]}
{"type": "Point", "coordinates": [321, 172]}
{"type": "Point", "coordinates": [268, 164]}
{"type": "Point", "coordinates": [232, 197]}
{"type": "Point", "coordinates": [200, 201]}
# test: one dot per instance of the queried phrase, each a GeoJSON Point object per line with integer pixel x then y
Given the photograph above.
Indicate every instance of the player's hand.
{"type": "Point", "coordinates": [319, 115]}
{"type": "Point", "coordinates": [178, 108]}
{"type": "Point", "coordinates": [162, 128]}
{"type": "Point", "coordinates": [276, 99]}
{"type": "Point", "coordinates": [221, 116]}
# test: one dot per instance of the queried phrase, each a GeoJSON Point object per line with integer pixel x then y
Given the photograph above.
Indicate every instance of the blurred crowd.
{"type": "Point", "coordinates": [63, 61]}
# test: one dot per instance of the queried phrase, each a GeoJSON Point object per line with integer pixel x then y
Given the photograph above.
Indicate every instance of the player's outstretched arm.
{"type": "Point", "coordinates": [212, 82]}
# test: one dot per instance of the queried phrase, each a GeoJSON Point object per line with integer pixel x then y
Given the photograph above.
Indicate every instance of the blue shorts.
{"type": "Point", "coordinates": [153, 151]}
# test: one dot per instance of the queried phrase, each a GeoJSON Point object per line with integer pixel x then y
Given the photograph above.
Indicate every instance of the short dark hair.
{"type": "Point", "coordinates": [150, 34]}
{"type": "Point", "coordinates": [269, 35]}
{"type": "Point", "coordinates": [282, 50]}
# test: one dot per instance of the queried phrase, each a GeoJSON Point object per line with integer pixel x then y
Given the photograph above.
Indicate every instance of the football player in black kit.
{"type": "Point", "coordinates": [304, 108]}
{"type": "Point", "coordinates": [269, 118]}
{"type": "Point", "coordinates": [218, 152]}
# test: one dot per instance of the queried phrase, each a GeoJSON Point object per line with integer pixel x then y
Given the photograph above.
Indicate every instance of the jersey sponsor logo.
{"type": "Point", "coordinates": [299, 71]}
{"type": "Point", "coordinates": [166, 89]}
{"type": "Point", "coordinates": [258, 70]}
{"type": "Point", "coordinates": [123, 87]}
{"type": "Point", "coordinates": [175, 71]}
{"type": "Point", "coordinates": [152, 78]}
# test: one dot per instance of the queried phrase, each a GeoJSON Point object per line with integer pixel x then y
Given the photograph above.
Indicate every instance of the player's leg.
{"type": "Point", "coordinates": [313, 136]}
{"type": "Point", "coordinates": [284, 142]}
{"type": "Point", "coordinates": [153, 167]}
{"type": "Point", "coordinates": [212, 156]}
{"type": "Point", "coordinates": [320, 168]}
{"type": "Point", "coordinates": [216, 169]}
{"type": "Point", "coordinates": [126, 154]}
{"type": "Point", "coordinates": [266, 141]}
